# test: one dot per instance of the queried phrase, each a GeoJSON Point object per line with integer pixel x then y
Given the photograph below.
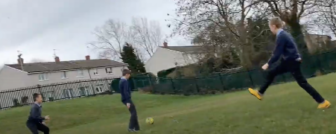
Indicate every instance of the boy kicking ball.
{"type": "Point", "coordinates": [287, 51]}
{"type": "Point", "coordinates": [35, 121]}
{"type": "Point", "coordinates": [125, 91]}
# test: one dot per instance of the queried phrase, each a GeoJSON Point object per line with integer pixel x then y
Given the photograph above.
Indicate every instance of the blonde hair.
{"type": "Point", "coordinates": [277, 22]}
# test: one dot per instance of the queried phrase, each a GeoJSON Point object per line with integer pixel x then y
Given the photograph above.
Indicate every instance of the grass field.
{"type": "Point", "coordinates": [286, 109]}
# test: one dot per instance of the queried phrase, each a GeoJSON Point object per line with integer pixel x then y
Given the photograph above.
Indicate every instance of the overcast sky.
{"type": "Point", "coordinates": [37, 27]}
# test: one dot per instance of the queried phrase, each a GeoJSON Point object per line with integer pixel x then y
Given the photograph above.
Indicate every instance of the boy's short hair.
{"type": "Point", "coordinates": [277, 22]}
{"type": "Point", "coordinates": [126, 71]}
{"type": "Point", "coordinates": [35, 95]}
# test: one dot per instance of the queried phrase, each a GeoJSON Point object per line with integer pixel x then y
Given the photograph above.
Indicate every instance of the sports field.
{"type": "Point", "coordinates": [286, 109]}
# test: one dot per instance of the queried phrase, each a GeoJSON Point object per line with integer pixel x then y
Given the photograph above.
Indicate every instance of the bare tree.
{"type": "Point", "coordinates": [329, 16]}
{"type": "Point", "coordinates": [110, 38]}
{"type": "Point", "coordinates": [230, 16]}
{"type": "Point", "coordinates": [292, 11]}
{"type": "Point", "coordinates": [147, 35]}
{"type": "Point", "coordinates": [113, 35]}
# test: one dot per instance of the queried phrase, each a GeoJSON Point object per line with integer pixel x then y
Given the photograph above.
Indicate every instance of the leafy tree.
{"type": "Point", "coordinates": [128, 56]}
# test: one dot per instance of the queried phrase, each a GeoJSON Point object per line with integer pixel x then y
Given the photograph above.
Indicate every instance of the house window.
{"type": "Point", "coordinates": [43, 77]}
{"type": "Point", "coordinates": [95, 71]}
{"type": "Point", "coordinates": [68, 93]}
{"type": "Point", "coordinates": [99, 88]}
{"type": "Point", "coordinates": [48, 96]}
{"type": "Point", "coordinates": [108, 70]}
{"type": "Point", "coordinates": [64, 75]}
{"type": "Point", "coordinates": [80, 73]}
{"type": "Point", "coordinates": [84, 91]}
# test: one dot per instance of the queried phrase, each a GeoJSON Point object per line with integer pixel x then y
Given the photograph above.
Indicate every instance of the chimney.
{"type": "Point", "coordinates": [165, 44]}
{"type": "Point", "coordinates": [87, 57]}
{"type": "Point", "coordinates": [20, 62]}
{"type": "Point", "coordinates": [57, 59]}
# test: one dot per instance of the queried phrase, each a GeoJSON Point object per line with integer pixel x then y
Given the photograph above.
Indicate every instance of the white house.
{"type": "Point", "coordinates": [21, 75]}
{"type": "Point", "coordinates": [13, 76]}
{"type": "Point", "coordinates": [166, 57]}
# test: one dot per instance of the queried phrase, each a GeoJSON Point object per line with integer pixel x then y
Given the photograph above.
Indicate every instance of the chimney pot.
{"type": "Point", "coordinates": [57, 59]}
{"type": "Point", "coordinates": [20, 61]}
{"type": "Point", "coordinates": [87, 57]}
{"type": "Point", "coordinates": [165, 44]}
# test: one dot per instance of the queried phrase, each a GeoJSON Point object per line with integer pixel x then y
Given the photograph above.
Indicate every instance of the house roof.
{"type": "Point", "coordinates": [66, 65]}
{"type": "Point", "coordinates": [185, 49]}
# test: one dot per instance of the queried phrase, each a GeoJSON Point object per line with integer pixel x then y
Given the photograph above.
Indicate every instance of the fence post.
{"type": "Point", "coordinates": [221, 80]}
{"type": "Point", "coordinates": [319, 62]}
{"type": "Point", "coordinates": [150, 80]}
{"type": "Point", "coordinates": [248, 72]}
{"type": "Point", "coordinates": [134, 83]}
{"type": "Point", "coordinates": [93, 88]}
{"type": "Point", "coordinates": [197, 88]}
{"type": "Point", "coordinates": [173, 85]}
{"type": "Point", "coordinates": [39, 88]}
{"type": "Point", "coordinates": [109, 87]}
{"type": "Point", "coordinates": [54, 93]}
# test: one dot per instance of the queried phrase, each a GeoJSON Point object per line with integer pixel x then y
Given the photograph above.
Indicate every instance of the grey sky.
{"type": "Point", "coordinates": [36, 27]}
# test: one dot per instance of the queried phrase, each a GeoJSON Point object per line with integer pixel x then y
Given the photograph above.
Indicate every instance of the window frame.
{"type": "Point", "coordinates": [80, 73]}
{"type": "Point", "coordinates": [95, 71]}
{"type": "Point", "coordinates": [110, 71]}
{"type": "Point", "coordinates": [43, 77]}
{"type": "Point", "coordinates": [64, 75]}
{"type": "Point", "coordinates": [100, 88]}
{"type": "Point", "coordinates": [84, 91]}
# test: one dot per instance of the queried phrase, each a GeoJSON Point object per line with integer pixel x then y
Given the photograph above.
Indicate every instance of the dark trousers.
{"type": "Point", "coordinates": [134, 123]}
{"type": "Point", "coordinates": [292, 67]}
{"type": "Point", "coordinates": [35, 127]}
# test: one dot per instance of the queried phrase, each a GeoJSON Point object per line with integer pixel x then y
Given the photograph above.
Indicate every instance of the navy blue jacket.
{"type": "Point", "coordinates": [285, 48]}
{"type": "Point", "coordinates": [125, 90]}
{"type": "Point", "coordinates": [35, 114]}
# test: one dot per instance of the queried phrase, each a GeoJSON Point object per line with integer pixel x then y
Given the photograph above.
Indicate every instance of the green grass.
{"type": "Point", "coordinates": [286, 109]}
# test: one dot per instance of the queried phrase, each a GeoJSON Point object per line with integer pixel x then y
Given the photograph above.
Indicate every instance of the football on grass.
{"type": "Point", "coordinates": [150, 120]}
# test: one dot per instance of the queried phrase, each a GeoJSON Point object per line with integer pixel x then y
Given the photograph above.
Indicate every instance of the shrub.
{"type": "Point", "coordinates": [16, 102]}
{"type": "Point", "coordinates": [318, 73]}
{"type": "Point", "coordinates": [24, 100]}
{"type": "Point", "coordinates": [188, 90]}
{"type": "Point", "coordinates": [164, 88]}
{"type": "Point", "coordinates": [107, 92]}
{"type": "Point", "coordinates": [203, 91]}
{"type": "Point", "coordinates": [148, 89]}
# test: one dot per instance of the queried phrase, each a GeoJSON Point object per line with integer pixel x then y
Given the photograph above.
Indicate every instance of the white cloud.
{"type": "Point", "coordinates": [37, 27]}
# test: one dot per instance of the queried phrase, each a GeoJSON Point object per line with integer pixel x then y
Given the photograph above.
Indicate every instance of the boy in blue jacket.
{"type": "Point", "coordinates": [125, 90]}
{"type": "Point", "coordinates": [35, 121]}
{"type": "Point", "coordinates": [287, 51]}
